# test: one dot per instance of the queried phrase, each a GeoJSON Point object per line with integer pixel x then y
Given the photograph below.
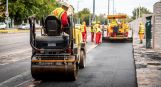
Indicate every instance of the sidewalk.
{"type": "Point", "coordinates": [148, 65]}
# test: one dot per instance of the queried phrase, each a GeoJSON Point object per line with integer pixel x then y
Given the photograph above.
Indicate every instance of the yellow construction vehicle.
{"type": "Point", "coordinates": [117, 28]}
{"type": "Point", "coordinates": [56, 53]}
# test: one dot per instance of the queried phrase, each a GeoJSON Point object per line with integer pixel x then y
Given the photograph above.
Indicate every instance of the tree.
{"type": "Point", "coordinates": [2, 10]}
{"type": "Point", "coordinates": [102, 18]}
{"type": "Point", "coordinates": [20, 9]}
{"type": "Point", "coordinates": [84, 15]}
{"type": "Point", "coordinates": [142, 11]}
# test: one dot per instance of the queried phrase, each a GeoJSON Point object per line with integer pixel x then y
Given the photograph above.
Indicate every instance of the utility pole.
{"type": "Point", "coordinates": [77, 5]}
{"type": "Point", "coordinates": [93, 10]}
{"type": "Point", "coordinates": [113, 7]}
{"type": "Point", "coordinates": [7, 13]}
{"type": "Point", "coordinates": [108, 7]}
{"type": "Point", "coordinates": [78, 21]}
{"type": "Point", "coordinates": [139, 11]}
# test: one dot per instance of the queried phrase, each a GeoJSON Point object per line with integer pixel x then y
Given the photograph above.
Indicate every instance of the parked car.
{"type": "Point", "coordinates": [24, 26]}
{"type": "Point", "coordinates": [37, 26]}
{"type": "Point", "coordinates": [2, 25]}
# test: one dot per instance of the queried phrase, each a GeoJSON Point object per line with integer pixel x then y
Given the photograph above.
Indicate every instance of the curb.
{"type": "Point", "coordinates": [15, 31]}
{"type": "Point", "coordinates": [9, 31]}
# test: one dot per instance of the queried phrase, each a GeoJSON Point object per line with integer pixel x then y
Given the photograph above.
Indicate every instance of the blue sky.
{"type": "Point", "coordinates": [121, 6]}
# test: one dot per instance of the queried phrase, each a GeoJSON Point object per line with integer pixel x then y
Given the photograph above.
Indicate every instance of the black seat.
{"type": "Point", "coordinates": [54, 38]}
{"type": "Point", "coordinates": [52, 26]}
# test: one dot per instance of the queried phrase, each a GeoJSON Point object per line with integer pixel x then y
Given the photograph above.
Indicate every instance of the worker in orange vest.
{"type": "Point", "coordinates": [61, 14]}
{"type": "Point", "coordinates": [84, 31]}
{"type": "Point", "coordinates": [141, 32]}
{"type": "Point", "coordinates": [98, 33]}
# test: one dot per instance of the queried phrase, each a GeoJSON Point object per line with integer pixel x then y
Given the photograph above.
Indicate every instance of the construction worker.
{"type": "Point", "coordinates": [84, 31]}
{"type": "Point", "coordinates": [125, 26]}
{"type": "Point", "coordinates": [61, 14]}
{"type": "Point", "coordinates": [126, 29]}
{"type": "Point", "coordinates": [109, 30]}
{"type": "Point", "coordinates": [141, 32]}
{"type": "Point", "coordinates": [114, 26]}
{"type": "Point", "coordinates": [92, 31]}
{"type": "Point", "coordinates": [98, 33]}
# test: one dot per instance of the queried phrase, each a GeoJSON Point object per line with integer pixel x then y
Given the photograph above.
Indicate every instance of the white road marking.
{"type": "Point", "coordinates": [14, 57]}
{"type": "Point", "coordinates": [3, 64]}
{"type": "Point", "coordinates": [2, 84]}
{"type": "Point", "coordinates": [14, 60]}
{"type": "Point", "coordinates": [91, 47]}
{"type": "Point", "coordinates": [19, 85]}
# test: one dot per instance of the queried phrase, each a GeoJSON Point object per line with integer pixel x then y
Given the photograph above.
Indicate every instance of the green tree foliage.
{"type": "Point", "coordinates": [2, 10]}
{"type": "Point", "coordinates": [20, 9]}
{"type": "Point", "coordinates": [143, 11]}
{"type": "Point", "coordinates": [83, 15]}
{"type": "Point", "coordinates": [102, 18]}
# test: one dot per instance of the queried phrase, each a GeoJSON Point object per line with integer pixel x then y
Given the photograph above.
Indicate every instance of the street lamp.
{"type": "Point", "coordinates": [7, 13]}
{"type": "Point", "coordinates": [108, 7]}
{"type": "Point", "coordinates": [78, 21]}
{"type": "Point", "coordinates": [93, 10]}
{"type": "Point", "coordinates": [113, 7]}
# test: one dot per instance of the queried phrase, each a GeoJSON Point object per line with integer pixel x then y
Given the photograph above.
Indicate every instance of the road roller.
{"type": "Point", "coordinates": [55, 53]}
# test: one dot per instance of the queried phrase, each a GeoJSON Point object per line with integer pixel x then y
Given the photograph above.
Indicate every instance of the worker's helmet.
{"type": "Point", "coordinates": [64, 4]}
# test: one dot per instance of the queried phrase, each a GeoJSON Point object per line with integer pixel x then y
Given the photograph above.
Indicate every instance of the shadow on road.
{"type": "Point", "coordinates": [105, 40]}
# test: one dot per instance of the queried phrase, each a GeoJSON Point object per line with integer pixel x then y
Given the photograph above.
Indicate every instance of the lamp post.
{"type": "Point", "coordinates": [78, 21]}
{"type": "Point", "coordinates": [108, 7]}
{"type": "Point", "coordinates": [113, 7]}
{"type": "Point", "coordinates": [7, 13]}
{"type": "Point", "coordinates": [93, 10]}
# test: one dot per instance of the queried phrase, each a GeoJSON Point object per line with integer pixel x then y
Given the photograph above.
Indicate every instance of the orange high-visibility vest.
{"type": "Point", "coordinates": [58, 12]}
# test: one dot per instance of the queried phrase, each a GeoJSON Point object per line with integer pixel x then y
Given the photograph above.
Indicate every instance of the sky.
{"type": "Point", "coordinates": [120, 6]}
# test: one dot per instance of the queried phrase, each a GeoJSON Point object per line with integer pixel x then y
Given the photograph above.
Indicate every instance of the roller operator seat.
{"type": "Point", "coordinates": [54, 39]}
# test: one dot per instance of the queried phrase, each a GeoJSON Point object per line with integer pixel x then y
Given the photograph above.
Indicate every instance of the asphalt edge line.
{"type": "Point", "coordinates": [13, 61]}
{"type": "Point", "coordinates": [19, 85]}
{"type": "Point", "coordinates": [93, 46]}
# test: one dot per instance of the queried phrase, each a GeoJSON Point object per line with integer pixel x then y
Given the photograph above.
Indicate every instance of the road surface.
{"type": "Point", "coordinates": [108, 65]}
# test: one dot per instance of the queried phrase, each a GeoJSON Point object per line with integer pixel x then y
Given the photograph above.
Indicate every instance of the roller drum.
{"type": "Point", "coordinates": [54, 72]}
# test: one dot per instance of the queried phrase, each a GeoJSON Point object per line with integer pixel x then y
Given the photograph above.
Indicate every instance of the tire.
{"type": "Point", "coordinates": [82, 63]}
